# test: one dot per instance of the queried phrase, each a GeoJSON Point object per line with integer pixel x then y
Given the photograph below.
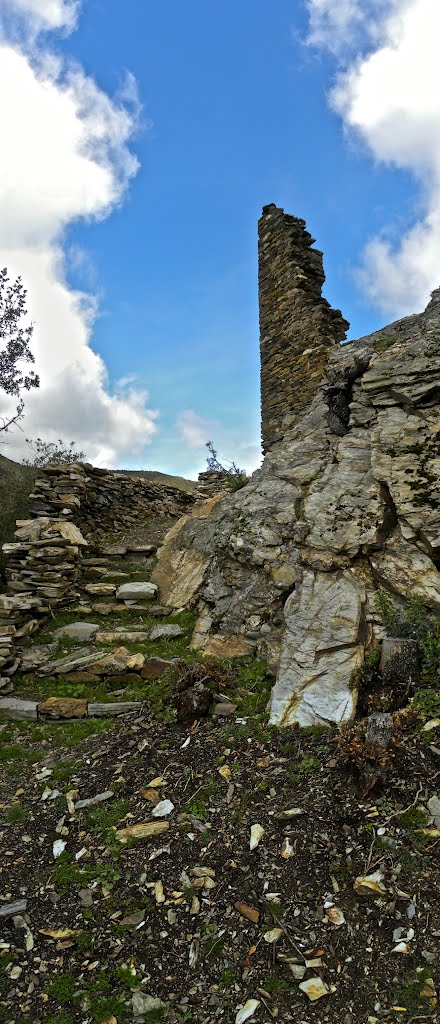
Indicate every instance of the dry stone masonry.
{"type": "Point", "coordinates": [347, 500]}
{"type": "Point", "coordinates": [297, 326]}
{"type": "Point", "coordinates": [73, 506]}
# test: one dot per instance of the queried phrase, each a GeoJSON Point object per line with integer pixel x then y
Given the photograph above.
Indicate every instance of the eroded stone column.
{"type": "Point", "coordinates": [297, 326]}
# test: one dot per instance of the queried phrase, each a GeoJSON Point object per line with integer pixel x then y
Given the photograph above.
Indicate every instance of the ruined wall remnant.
{"type": "Point", "coordinates": [297, 326]}
{"type": "Point", "coordinates": [72, 505]}
{"type": "Point", "coordinates": [347, 500]}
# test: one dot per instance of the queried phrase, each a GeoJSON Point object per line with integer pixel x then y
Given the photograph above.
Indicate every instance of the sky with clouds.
{"type": "Point", "coordinates": [140, 142]}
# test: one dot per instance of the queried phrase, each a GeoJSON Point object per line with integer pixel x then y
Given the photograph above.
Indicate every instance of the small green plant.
{"type": "Point", "coordinates": [418, 623]}
{"type": "Point", "coordinates": [62, 989]}
{"type": "Point", "coordinates": [274, 985]}
{"type": "Point", "coordinates": [16, 814]}
{"type": "Point", "coordinates": [157, 1015]}
{"type": "Point", "coordinates": [412, 819]}
{"type": "Point", "coordinates": [234, 476]}
{"type": "Point", "coordinates": [429, 702]}
{"type": "Point", "coordinates": [414, 993]}
{"type": "Point", "coordinates": [212, 947]}
{"type": "Point", "coordinates": [104, 818]}
{"type": "Point", "coordinates": [228, 976]}
{"type": "Point", "coordinates": [104, 1007]}
{"type": "Point", "coordinates": [127, 977]}
{"type": "Point", "coordinates": [385, 342]}
{"type": "Point", "coordinates": [274, 912]}
{"type": "Point", "coordinates": [309, 764]}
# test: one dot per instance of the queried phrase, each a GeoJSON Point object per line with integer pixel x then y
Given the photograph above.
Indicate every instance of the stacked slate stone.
{"type": "Point", "coordinates": [118, 501]}
{"type": "Point", "coordinates": [59, 491]}
{"type": "Point", "coordinates": [213, 481]}
{"type": "Point", "coordinates": [19, 617]}
{"type": "Point", "coordinates": [297, 326]}
{"type": "Point", "coordinates": [43, 570]}
{"type": "Point", "coordinates": [43, 561]}
{"type": "Point", "coordinates": [101, 501]}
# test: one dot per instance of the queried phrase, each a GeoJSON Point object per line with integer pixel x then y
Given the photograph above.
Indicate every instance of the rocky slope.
{"type": "Point", "coordinates": [347, 503]}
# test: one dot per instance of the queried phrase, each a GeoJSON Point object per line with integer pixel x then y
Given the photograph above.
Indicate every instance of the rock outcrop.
{"type": "Point", "coordinates": [347, 501]}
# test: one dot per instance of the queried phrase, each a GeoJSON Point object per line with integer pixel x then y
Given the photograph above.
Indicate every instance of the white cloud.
{"type": "Point", "coordinates": [42, 15]}
{"type": "Point", "coordinates": [68, 157]}
{"type": "Point", "coordinates": [388, 95]}
{"type": "Point", "coordinates": [337, 25]}
{"type": "Point", "coordinates": [194, 430]}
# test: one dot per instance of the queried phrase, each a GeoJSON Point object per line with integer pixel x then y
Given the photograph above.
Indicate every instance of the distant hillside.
{"type": "Point", "coordinates": [16, 483]}
{"type": "Point", "coordinates": [163, 478]}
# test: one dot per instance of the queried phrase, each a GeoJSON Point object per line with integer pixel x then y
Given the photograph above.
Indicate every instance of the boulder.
{"type": "Point", "coordinates": [321, 650]}
{"type": "Point", "coordinates": [347, 501]}
{"type": "Point", "coordinates": [63, 707]}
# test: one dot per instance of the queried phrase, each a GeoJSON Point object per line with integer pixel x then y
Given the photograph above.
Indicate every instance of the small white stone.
{"type": "Point", "coordinates": [257, 833]}
{"type": "Point", "coordinates": [247, 1010]}
{"type": "Point", "coordinates": [163, 808]}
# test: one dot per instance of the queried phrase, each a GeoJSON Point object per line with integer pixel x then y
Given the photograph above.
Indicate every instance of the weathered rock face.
{"type": "Point", "coordinates": [346, 503]}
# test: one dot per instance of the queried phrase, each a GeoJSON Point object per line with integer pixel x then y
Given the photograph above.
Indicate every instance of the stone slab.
{"type": "Point", "coordinates": [78, 630]}
{"type": "Point", "coordinates": [120, 636]}
{"type": "Point", "coordinates": [166, 632]}
{"type": "Point", "coordinates": [136, 591]}
{"type": "Point", "coordinates": [20, 710]}
{"type": "Point", "coordinates": [101, 589]}
{"type": "Point", "coordinates": [114, 710]}
{"type": "Point", "coordinates": [12, 909]}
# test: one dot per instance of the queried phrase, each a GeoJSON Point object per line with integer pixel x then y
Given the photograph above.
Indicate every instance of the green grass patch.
{"type": "Point", "coordinates": [103, 818]}
{"type": "Point", "coordinates": [309, 764]}
{"type": "Point", "coordinates": [16, 815]}
{"type": "Point", "coordinates": [274, 985]}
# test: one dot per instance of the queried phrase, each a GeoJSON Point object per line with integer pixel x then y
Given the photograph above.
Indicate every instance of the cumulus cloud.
{"type": "Point", "coordinates": [41, 15]}
{"type": "Point", "coordinates": [193, 429]}
{"type": "Point", "coordinates": [345, 24]}
{"type": "Point", "coordinates": [388, 94]}
{"type": "Point", "coordinates": [68, 157]}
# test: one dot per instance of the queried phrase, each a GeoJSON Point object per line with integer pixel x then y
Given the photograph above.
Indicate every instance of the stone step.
{"type": "Point", "coordinates": [63, 709]}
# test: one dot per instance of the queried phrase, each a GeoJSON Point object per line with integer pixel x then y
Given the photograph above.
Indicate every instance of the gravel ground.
{"type": "Point", "coordinates": [190, 924]}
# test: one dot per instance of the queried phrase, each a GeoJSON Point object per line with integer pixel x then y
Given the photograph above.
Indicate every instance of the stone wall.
{"type": "Point", "coordinates": [101, 501]}
{"type": "Point", "coordinates": [72, 506]}
{"type": "Point", "coordinates": [213, 481]}
{"type": "Point", "coordinates": [297, 326]}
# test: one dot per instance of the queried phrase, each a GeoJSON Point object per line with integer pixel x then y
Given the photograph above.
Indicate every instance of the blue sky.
{"type": "Point", "coordinates": [238, 110]}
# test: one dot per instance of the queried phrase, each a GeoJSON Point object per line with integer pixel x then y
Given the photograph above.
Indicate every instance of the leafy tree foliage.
{"type": "Point", "coordinates": [55, 452]}
{"type": "Point", "coordinates": [14, 346]}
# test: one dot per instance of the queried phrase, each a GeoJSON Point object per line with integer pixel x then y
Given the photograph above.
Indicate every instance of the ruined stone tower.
{"type": "Point", "coordinates": [297, 326]}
